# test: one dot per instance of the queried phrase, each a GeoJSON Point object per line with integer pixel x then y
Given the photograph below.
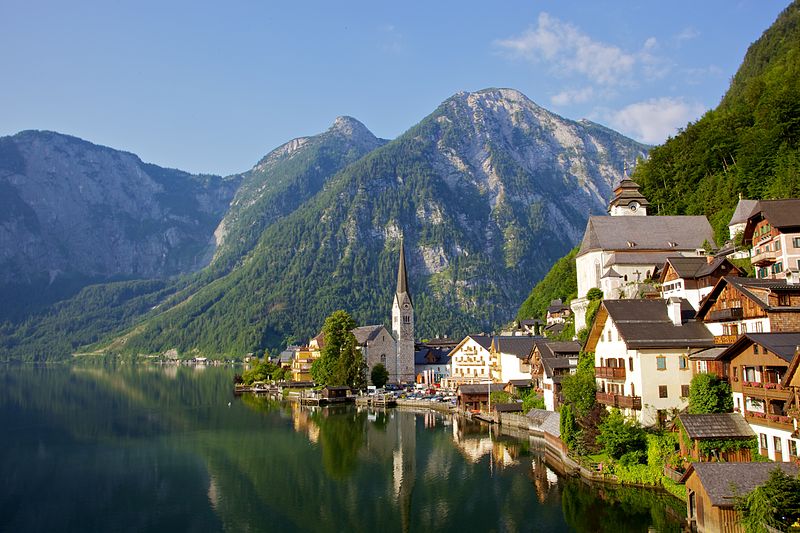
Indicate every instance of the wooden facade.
{"type": "Point", "coordinates": [706, 516]}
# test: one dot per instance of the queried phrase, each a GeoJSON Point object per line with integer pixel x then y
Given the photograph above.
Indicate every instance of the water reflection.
{"type": "Point", "coordinates": [130, 448]}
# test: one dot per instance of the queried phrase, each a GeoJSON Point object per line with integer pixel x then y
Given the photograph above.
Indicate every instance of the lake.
{"type": "Point", "coordinates": [154, 448]}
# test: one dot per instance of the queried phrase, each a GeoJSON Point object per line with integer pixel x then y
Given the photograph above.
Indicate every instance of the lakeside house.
{"type": "Point", "coordinates": [550, 362]}
{"type": "Point", "coordinates": [431, 363]}
{"type": "Point", "coordinates": [642, 350]}
{"type": "Point", "coordinates": [475, 397]}
{"type": "Point", "coordinates": [619, 254]}
{"type": "Point", "coordinates": [701, 430]}
{"type": "Point", "coordinates": [509, 357]}
{"type": "Point", "coordinates": [712, 489]}
{"type": "Point", "coordinates": [759, 364]}
{"type": "Point", "coordinates": [470, 361]}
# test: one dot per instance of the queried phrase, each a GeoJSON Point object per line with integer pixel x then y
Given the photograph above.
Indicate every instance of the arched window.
{"type": "Point", "coordinates": [597, 272]}
{"type": "Point", "coordinates": [383, 358]}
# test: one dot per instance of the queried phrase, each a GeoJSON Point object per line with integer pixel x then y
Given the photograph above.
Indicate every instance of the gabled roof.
{"type": "Point", "coordinates": [781, 214]}
{"type": "Point", "coordinates": [646, 324]}
{"type": "Point", "coordinates": [365, 334]}
{"type": "Point", "coordinates": [748, 287]}
{"type": "Point", "coordinates": [646, 233]}
{"type": "Point", "coordinates": [698, 267]}
{"type": "Point", "coordinates": [716, 426]}
{"type": "Point", "coordinates": [507, 407]}
{"type": "Point", "coordinates": [484, 341]}
{"type": "Point", "coordinates": [723, 482]}
{"type": "Point", "coordinates": [426, 355]}
{"type": "Point", "coordinates": [743, 211]}
{"type": "Point", "coordinates": [521, 383]}
{"type": "Point", "coordinates": [637, 258]}
{"type": "Point", "coordinates": [708, 354]}
{"type": "Point", "coordinates": [520, 346]}
{"type": "Point", "coordinates": [480, 388]}
{"type": "Point", "coordinates": [556, 306]}
{"type": "Point", "coordinates": [784, 345]}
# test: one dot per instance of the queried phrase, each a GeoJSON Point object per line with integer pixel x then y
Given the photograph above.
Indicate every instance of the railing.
{"type": "Point", "coordinates": [725, 339]}
{"type": "Point", "coordinates": [757, 389]}
{"type": "Point", "coordinates": [618, 400]}
{"type": "Point", "coordinates": [764, 257]}
{"type": "Point", "coordinates": [609, 372]}
{"type": "Point", "coordinates": [731, 313]}
{"type": "Point", "coordinates": [763, 419]}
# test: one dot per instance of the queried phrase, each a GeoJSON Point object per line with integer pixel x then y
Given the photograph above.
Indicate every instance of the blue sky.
{"type": "Point", "coordinates": [213, 86]}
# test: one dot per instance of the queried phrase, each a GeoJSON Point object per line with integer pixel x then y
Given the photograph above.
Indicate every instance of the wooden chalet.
{"type": "Point", "coordinates": [759, 364]}
{"type": "Point", "coordinates": [693, 277]}
{"type": "Point", "coordinates": [331, 392]}
{"type": "Point", "coordinates": [697, 429]}
{"type": "Point", "coordinates": [475, 397]}
{"type": "Point", "coordinates": [712, 489]}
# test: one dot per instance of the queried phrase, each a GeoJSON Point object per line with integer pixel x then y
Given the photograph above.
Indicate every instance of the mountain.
{"type": "Point", "coordinates": [487, 191]}
{"type": "Point", "coordinates": [283, 180]}
{"type": "Point", "coordinates": [72, 212]}
{"type": "Point", "coordinates": [749, 144]}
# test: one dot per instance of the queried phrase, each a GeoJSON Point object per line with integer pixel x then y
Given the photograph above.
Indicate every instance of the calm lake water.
{"type": "Point", "coordinates": [170, 449]}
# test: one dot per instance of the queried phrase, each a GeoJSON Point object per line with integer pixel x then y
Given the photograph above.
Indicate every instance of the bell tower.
{"type": "Point", "coordinates": [403, 326]}
{"type": "Point", "coordinates": [627, 201]}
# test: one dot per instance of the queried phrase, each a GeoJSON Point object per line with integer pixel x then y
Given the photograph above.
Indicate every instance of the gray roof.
{"type": "Point", "coordinates": [784, 345]}
{"type": "Point", "coordinates": [781, 214]}
{"type": "Point", "coordinates": [698, 267]}
{"type": "Point", "coordinates": [724, 481]}
{"type": "Point", "coordinates": [637, 258]}
{"type": "Point", "coordinates": [507, 407]}
{"type": "Point", "coordinates": [520, 346]}
{"type": "Point", "coordinates": [520, 382]}
{"type": "Point", "coordinates": [743, 211]}
{"type": "Point", "coordinates": [480, 388]}
{"type": "Point", "coordinates": [427, 355]}
{"type": "Point", "coordinates": [552, 424]}
{"type": "Point", "coordinates": [538, 416]}
{"type": "Point", "coordinates": [484, 341]}
{"type": "Point", "coordinates": [745, 286]}
{"type": "Point", "coordinates": [708, 354]}
{"type": "Point", "coordinates": [646, 233]}
{"type": "Point", "coordinates": [716, 426]}
{"type": "Point", "coordinates": [646, 324]}
{"type": "Point", "coordinates": [364, 334]}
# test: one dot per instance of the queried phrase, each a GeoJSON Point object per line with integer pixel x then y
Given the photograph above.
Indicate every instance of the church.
{"type": "Point", "coordinates": [620, 252]}
{"type": "Point", "coordinates": [402, 370]}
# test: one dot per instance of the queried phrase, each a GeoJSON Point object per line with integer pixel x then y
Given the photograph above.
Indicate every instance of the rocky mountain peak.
{"type": "Point", "coordinates": [352, 128]}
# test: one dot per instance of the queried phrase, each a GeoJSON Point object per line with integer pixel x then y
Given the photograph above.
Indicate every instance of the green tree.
{"type": "Point", "coordinates": [620, 437]}
{"type": "Point", "coordinates": [568, 426]}
{"type": "Point", "coordinates": [379, 375]}
{"type": "Point", "coordinates": [340, 362]}
{"type": "Point", "coordinates": [594, 294]}
{"type": "Point", "coordinates": [709, 394]}
{"type": "Point", "coordinates": [776, 504]}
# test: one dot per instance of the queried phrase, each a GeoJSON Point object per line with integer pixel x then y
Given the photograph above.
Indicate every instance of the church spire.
{"type": "Point", "coordinates": [402, 277]}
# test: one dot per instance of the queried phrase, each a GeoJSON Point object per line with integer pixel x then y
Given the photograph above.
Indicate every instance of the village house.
{"type": "Point", "coordinates": [509, 358]}
{"type": "Point", "coordinates": [773, 229]}
{"type": "Point", "coordinates": [431, 363]}
{"type": "Point", "coordinates": [694, 277]}
{"type": "Point", "coordinates": [469, 361]}
{"type": "Point", "coordinates": [712, 489]}
{"type": "Point", "coordinates": [642, 352]}
{"type": "Point", "coordinates": [747, 305]}
{"type": "Point", "coordinates": [475, 397]}
{"type": "Point", "coordinates": [377, 346]}
{"type": "Point", "coordinates": [303, 359]}
{"type": "Point", "coordinates": [759, 364]}
{"type": "Point", "coordinates": [550, 362]}
{"type": "Point", "coordinates": [619, 254]}
{"type": "Point", "coordinates": [699, 437]}
{"type": "Point", "coordinates": [557, 312]}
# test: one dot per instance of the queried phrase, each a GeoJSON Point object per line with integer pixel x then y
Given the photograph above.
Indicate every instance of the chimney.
{"type": "Point", "coordinates": [674, 310]}
{"type": "Point", "coordinates": [792, 277]}
{"type": "Point", "coordinates": [709, 259]}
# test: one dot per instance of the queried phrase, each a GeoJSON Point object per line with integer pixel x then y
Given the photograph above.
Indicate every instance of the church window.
{"type": "Point", "coordinates": [383, 358]}
{"type": "Point", "coordinates": [406, 319]}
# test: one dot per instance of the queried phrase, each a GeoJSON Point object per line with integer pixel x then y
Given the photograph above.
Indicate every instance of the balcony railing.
{"type": "Point", "coordinates": [765, 257]}
{"type": "Point", "coordinates": [775, 421]}
{"type": "Point", "coordinates": [771, 391]}
{"type": "Point", "coordinates": [609, 372]}
{"type": "Point", "coordinates": [725, 339]}
{"type": "Point", "coordinates": [731, 313]}
{"type": "Point", "coordinates": [618, 400]}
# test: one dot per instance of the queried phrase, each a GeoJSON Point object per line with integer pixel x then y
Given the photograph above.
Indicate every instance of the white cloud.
{"type": "Point", "coordinates": [687, 34]}
{"type": "Point", "coordinates": [652, 121]}
{"type": "Point", "coordinates": [569, 51]}
{"type": "Point", "coordinates": [392, 39]}
{"type": "Point", "coordinates": [573, 96]}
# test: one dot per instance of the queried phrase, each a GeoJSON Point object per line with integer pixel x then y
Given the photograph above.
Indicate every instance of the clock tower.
{"type": "Point", "coordinates": [402, 326]}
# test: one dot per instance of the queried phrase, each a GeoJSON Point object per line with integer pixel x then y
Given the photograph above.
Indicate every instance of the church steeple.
{"type": "Point", "coordinates": [627, 199]}
{"type": "Point", "coordinates": [402, 277]}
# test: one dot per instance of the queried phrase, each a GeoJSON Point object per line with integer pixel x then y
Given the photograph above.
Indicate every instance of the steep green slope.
{"type": "Point", "coordinates": [477, 191]}
{"type": "Point", "coordinates": [747, 145]}
{"type": "Point", "coordinates": [560, 283]}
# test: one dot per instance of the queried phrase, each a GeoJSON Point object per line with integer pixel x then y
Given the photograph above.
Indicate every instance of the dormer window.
{"type": "Point", "coordinates": [672, 244]}
{"type": "Point", "coordinates": [631, 244]}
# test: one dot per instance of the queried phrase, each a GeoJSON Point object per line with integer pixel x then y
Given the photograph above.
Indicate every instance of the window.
{"type": "Point", "coordinates": [777, 246]}
{"type": "Point", "coordinates": [783, 299]}
{"type": "Point", "coordinates": [793, 448]}
{"type": "Point", "coordinates": [662, 391]}
{"type": "Point", "coordinates": [755, 349]}
{"type": "Point", "coordinates": [762, 440]}
{"type": "Point", "coordinates": [796, 242]}
{"type": "Point", "coordinates": [684, 362]}
{"type": "Point", "coordinates": [406, 319]}
{"type": "Point", "coordinates": [661, 362]}
{"type": "Point", "coordinates": [630, 364]}
{"type": "Point", "coordinates": [759, 327]}
{"type": "Point", "coordinates": [778, 444]}
{"type": "Point", "coordinates": [777, 268]}
{"type": "Point", "coordinates": [685, 391]}
{"type": "Point", "coordinates": [609, 335]}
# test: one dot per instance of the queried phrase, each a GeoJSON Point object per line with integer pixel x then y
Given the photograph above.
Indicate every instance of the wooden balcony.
{"type": "Point", "coordinates": [768, 391]}
{"type": "Point", "coordinates": [608, 372]}
{"type": "Point", "coordinates": [765, 257]}
{"type": "Point", "coordinates": [618, 400]}
{"type": "Point", "coordinates": [731, 313]}
{"type": "Point", "coordinates": [781, 422]}
{"type": "Point", "coordinates": [725, 339]}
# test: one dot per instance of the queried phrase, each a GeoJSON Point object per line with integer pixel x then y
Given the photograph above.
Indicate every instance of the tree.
{"type": "Point", "coordinates": [709, 394]}
{"type": "Point", "coordinates": [379, 375]}
{"type": "Point", "coordinates": [341, 362]}
{"type": "Point", "coordinates": [622, 437]}
{"type": "Point", "coordinates": [579, 388]}
{"type": "Point", "coordinates": [594, 294]}
{"type": "Point", "coordinates": [567, 426]}
{"type": "Point", "coordinates": [776, 503]}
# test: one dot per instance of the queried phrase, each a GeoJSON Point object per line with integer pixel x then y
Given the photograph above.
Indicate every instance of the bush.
{"type": "Point", "coordinates": [619, 436]}
{"type": "Point", "coordinates": [379, 375]}
{"type": "Point", "coordinates": [709, 394]}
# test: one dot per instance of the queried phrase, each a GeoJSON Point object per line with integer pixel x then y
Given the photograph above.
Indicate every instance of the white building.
{"type": "Point", "coordinates": [510, 358]}
{"type": "Point", "coordinates": [402, 327]}
{"type": "Point", "coordinates": [693, 278]}
{"type": "Point", "coordinates": [774, 231]}
{"type": "Point", "coordinates": [642, 350]}
{"type": "Point", "coordinates": [470, 361]}
{"type": "Point", "coordinates": [550, 362]}
{"type": "Point", "coordinates": [619, 253]}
